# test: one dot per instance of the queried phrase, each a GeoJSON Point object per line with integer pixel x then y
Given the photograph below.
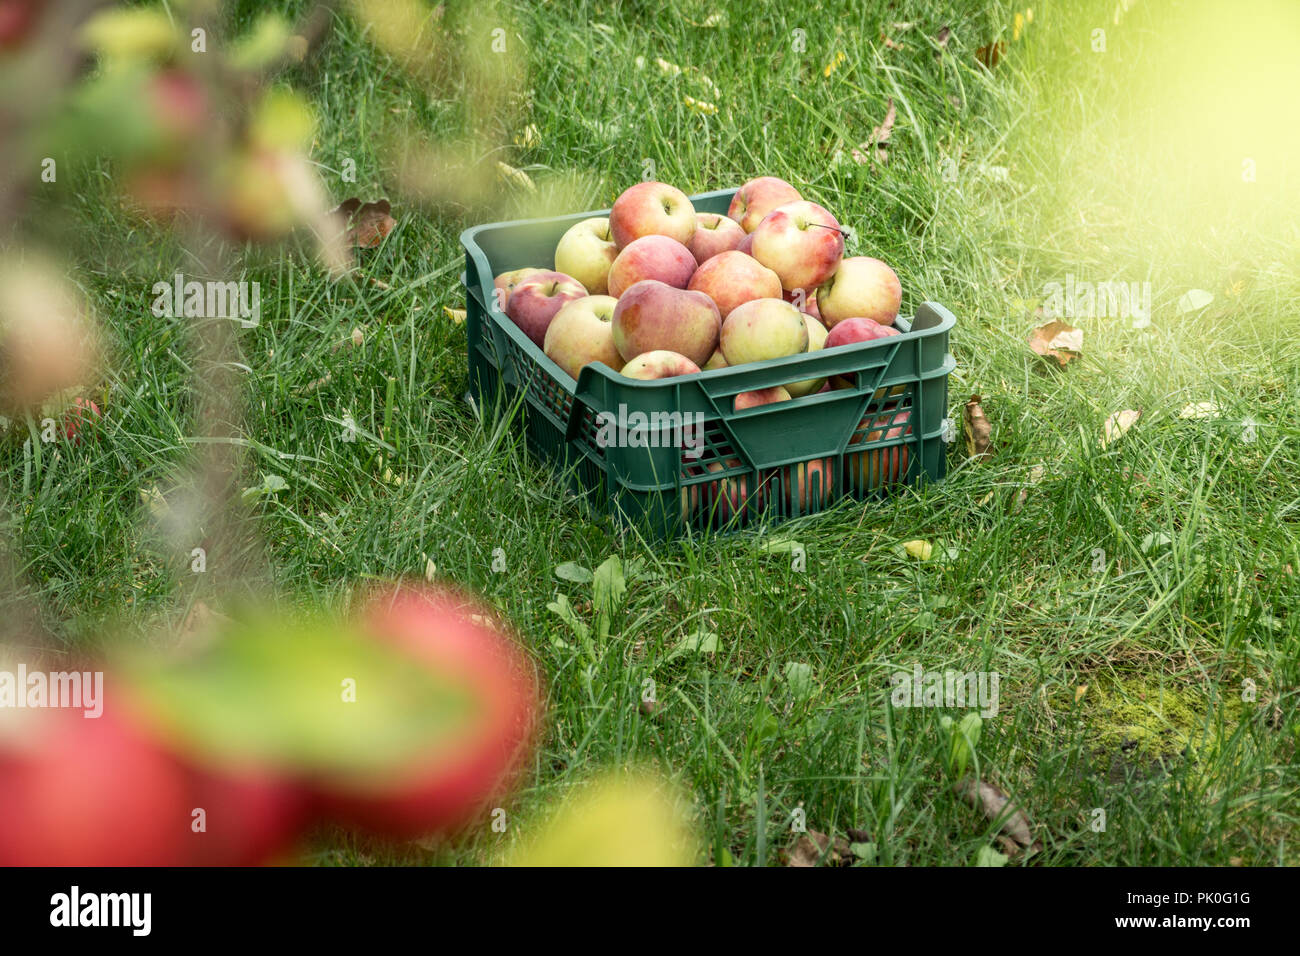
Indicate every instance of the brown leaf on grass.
{"type": "Point", "coordinates": [366, 224]}
{"type": "Point", "coordinates": [874, 147]}
{"type": "Point", "coordinates": [942, 37]}
{"type": "Point", "coordinates": [814, 848]}
{"type": "Point", "coordinates": [1057, 340]}
{"type": "Point", "coordinates": [989, 55]}
{"type": "Point", "coordinates": [976, 428]}
{"type": "Point", "coordinates": [1016, 833]}
{"type": "Point", "coordinates": [1117, 425]}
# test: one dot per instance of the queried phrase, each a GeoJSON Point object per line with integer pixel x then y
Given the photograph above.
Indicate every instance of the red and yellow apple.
{"type": "Point", "coordinates": [660, 363]}
{"type": "Point", "coordinates": [652, 209]}
{"type": "Point", "coordinates": [801, 242]}
{"type": "Point", "coordinates": [757, 198]}
{"type": "Point", "coordinates": [651, 257]}
{"type": "Point", "coordinates": [881, 466]}
{"type": "Point", "coordinates": [586, 252]}
{"type": "Point", "coordinates": [582, 332]}
{"type": "Point", "coordinates": [505, 283]}
{"type": "Point", "coordinates": [761, 396]}
{"type": "Point", "coordinates": [714, 234]}
{"type": "Point", "coordinates": [537, 298]}
{"type": "Point", "coordinates": [653, 316]}
{"type": "Point", "coordinates": [862, 287]}
{"type": "Point", "coordinates": [808, 486]}
{"type": "Point", "coordinates": [816, 341]}
{"type": "Point", "coordinates": [763, 329]}
{"type": "Point", "coordinates": [733, 278]}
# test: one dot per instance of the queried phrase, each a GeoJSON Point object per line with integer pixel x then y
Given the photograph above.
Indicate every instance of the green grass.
{"type": "Point", "coordinates": [1164, 637]}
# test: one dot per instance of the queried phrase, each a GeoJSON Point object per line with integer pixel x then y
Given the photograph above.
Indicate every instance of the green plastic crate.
{"type": "Point", "coordinates": [780, 460]}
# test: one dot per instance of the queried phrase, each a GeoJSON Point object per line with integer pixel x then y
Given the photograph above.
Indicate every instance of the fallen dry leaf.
{"type": "Point", "coordinates": [988, 56]}
{"type": "Point", "coordinates": [879, 139]}
{"type": "Point", "coordinates": [365, 224]}
{"type": "Point", "coordinates": [1199, 410]}
{"type": "Point", "coordinates": [457, 316]}
{"type": "Point", "coordinates": [943, 36]}
{"type": "Point", "coordinates": [1057, 340]}
{"type": "Point", "coordinates": [810, 848]}
{"type": "Point", "coordinates": [516, 177]}
{"type": "Point", "coordinates": [1117, 425]}
{"type": "Point", "coordinates": [1016, 833]}
{"type": "Point", "coordinates": [976, 428]}
{"type": "Point", "coordinates": [918, 549]}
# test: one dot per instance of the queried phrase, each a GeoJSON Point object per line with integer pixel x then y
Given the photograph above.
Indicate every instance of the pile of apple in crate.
{"type": "Point", "coordinates": [658, 290]}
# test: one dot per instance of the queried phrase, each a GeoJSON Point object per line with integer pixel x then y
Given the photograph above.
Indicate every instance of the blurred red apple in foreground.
{"type": "Point", "coordinates": [453, 637]}
{"type": "Point", "coordinates": [83, 791]}
{"type": "Point", "coordinates": [82, 414]}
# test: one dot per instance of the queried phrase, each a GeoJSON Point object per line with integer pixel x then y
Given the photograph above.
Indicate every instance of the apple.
{"type": "Point", "coordinates": [586, 252]}
{"type": "Point", "coordinates": [762, 396]}
{"type": "Point", "coordinates": [536, 300]}
{"type": "Point", "coordinates": [801, 243]}
{"type": "Point", "coordinates": [716, 360]}
{"type": "Point", "coordinates": [652, 316]}
{"type": "Point", "coordinates": [505, 283]}
{"type": "Point", "coordinates": [250, 815]}
{"type": "Point", "coordinates": [452, 636]}
{"type": "Point", "coordinates": [582, 332]}
{"type": "Point", "coordinates": [808, 486]}
{"type": "Point", "coordinates": [714, 234]}
{"type": "Point", "coordinates": [763, 329]}
{"type": "Point", "coordinates": [651, 257]}
{"type": "Point", "coordinates": [78, 791]}
{"type": "Point", "coordinates": [82, 414]}
{"type": "Point", "coordinates": [178, 105]}
{"type": "Point", "coordinates": [721, 499]}
{"type": "Point", "coordinates": [733, 278]}
{"type": "Point", "coordinates": [660, 363]}
{"type": "Point", "coordinates": [810, 307]}
{"type": "Point", "coordinates": [881, 466]}
{"type": "Point", "coordinates": [861, 287]}
{"type": "Point", "coordinates": [757, 198]}
{"type": "Point", "coordinates": [48, 340]}
{"type": "Point", "coordinates": [816, 341]}
{"type": "Point", "coordinates": [849, 331]}
{"type": "Point", "coordinates": [17, 18]}
{"type": "Point", "coordinates": [747, 244]}
{"type": "Point", "coordinates": [652, 209]}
